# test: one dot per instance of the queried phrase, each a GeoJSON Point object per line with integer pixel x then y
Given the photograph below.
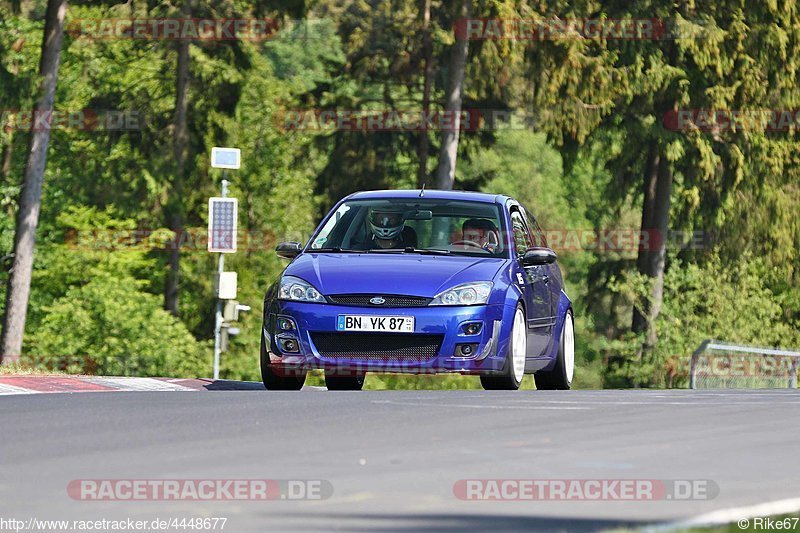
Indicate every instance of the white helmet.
{"type": "Point", "coordinates": [386, 223]}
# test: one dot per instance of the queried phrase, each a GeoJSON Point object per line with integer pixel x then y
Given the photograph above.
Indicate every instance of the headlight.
{"type": "Point", "coordinates": [298, 290]}
{"type": "Point", "coordinates": [466, 294]}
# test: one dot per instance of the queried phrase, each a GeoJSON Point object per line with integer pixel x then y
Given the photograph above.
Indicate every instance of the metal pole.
{"type": "Point", "coordinates": [793, 374]}
{"type": "Point", "coordinates": [218, 319]}
{"type": "Point", "coordinates": [693, 366]}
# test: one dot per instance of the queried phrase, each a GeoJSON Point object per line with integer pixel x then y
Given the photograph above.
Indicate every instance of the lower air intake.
{"type": "Point", "coordinates": [378, 346]}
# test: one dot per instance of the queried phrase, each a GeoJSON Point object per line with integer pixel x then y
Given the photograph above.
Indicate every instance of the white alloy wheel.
{"type": "Point", "coordinates": [519, 345]}
{"type": "Point", "coordinates": [569, 347]}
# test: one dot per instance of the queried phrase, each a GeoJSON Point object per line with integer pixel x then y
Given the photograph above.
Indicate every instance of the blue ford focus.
{"type": "Point", "coordinates": [420, 282]}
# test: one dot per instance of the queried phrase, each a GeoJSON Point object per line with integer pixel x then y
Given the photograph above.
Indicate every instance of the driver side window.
{"type": "Point", "coordinates": [325, 233]}
{"type": "Point", "coordinates": [538, 234]}
{"type": "Point", "coordinates": [522, 239]}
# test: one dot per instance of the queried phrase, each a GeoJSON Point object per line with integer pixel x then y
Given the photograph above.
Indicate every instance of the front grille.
{"type": "Point", "coordinates": [378, 346]}
{"type": "Point", "coordinates": [363, 300]}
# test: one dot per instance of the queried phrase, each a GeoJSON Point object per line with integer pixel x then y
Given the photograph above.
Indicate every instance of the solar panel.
{"type": "Point", "coordinates": [222, 222]}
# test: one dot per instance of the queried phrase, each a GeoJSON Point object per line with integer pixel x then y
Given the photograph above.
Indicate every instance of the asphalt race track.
{"type": "Point", "coordinates": [393, 458]}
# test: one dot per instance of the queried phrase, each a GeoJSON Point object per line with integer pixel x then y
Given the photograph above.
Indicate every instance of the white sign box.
{"type": "Point", "coordinates": [230, 158]}
{"type": "Point", "coordinates": [226, 285]}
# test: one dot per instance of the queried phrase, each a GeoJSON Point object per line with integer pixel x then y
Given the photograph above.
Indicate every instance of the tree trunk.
{"type": "Point", "coordinates": [446, 171]}
{"type": "Point", "coordinates": [19, 281]}
{"type": "Point", "coordinates": [8, 158]}
{"type": "Point", "coordinates": [658, 257]}
{"type": "Point", "coordinates": [180, 147]}
{"type": "Point", "coordinates": [5, 167]}
{"type": "Point", "coordinates": [423, 149]}
{"type": "Point", "coordinates": [8, 151]}
{"type": "Point", "coordinates": [650, 179]}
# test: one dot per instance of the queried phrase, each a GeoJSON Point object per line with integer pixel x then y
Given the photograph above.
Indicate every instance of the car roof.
{"type": "Point", "coordinates": [435, 194]}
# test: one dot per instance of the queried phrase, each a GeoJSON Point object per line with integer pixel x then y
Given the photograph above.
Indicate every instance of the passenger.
{"type": "Point", "coordinates": [482, 232]}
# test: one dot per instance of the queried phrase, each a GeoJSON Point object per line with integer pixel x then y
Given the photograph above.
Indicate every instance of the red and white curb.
{"type": "Point", "coordinates": [10, 385]}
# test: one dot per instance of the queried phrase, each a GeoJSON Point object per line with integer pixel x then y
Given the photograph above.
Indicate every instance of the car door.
{"type": "Point", "coordinates": [555, 282]}
{"type": "Point", "coordinates": [533, 280]}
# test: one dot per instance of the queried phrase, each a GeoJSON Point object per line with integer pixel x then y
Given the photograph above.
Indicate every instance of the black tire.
{"type": "Point", "coordinates": [557, 378]}
{"type": "Point", "coordinates": [283, 380]}
{"type": "Point", "coordinates": [498, 383]}
{"type": "Point", "coordinates": [334, 382]}
{"type": "Point", "coordinates": [507, 380]}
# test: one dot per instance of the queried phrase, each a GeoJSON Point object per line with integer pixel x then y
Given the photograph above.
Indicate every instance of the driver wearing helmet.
{"type": "Point", "coordinates": [389, 230]}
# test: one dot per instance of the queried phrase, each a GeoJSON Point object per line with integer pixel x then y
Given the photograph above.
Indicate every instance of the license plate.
{"type": "Point", "coordinates": [398, 324]}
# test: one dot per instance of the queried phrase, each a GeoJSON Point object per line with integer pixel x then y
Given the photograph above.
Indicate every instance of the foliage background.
{"type": "Point", "coordinates": [96, 306]}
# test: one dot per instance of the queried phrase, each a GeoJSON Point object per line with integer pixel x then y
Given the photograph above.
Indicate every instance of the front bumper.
{"type": "Point", "coordinates": [444, 322]}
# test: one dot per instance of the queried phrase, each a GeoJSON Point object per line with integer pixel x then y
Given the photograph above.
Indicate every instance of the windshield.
{"type": "Point", "coordinates": [417, 225]}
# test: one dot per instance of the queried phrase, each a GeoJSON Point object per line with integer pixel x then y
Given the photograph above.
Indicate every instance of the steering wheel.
{"type": "Point", "coordinates": [467, 243]}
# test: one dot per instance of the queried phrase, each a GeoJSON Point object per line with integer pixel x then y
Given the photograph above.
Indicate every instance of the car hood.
{"type": "Point", "coordinates": [407, 273]}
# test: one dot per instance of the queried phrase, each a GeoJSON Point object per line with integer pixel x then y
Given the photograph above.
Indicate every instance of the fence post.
{"type": "Point", "coordinates": [793, 374]}
{"type": "Point", "coordinates": [693, 366]}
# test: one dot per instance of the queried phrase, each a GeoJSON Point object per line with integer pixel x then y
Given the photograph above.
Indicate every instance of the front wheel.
{"type": "Point", "coordinates": [560, 377]}
{"type": "Point", "coordinates": [514, 368]}
{"type": "Point", "coordinates": [279, 379]}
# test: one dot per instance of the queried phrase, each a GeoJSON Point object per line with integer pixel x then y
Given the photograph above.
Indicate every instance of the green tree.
{"type": "Point", "coordinates": [19, 281]}
{"type": "Point", "coordinates": [110, 326]}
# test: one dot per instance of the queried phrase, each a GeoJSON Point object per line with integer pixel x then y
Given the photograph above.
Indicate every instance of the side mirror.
{"type": "Point", "coordinates": [288, 250]}
{"type": "Point", "coordinates": [538, 257]}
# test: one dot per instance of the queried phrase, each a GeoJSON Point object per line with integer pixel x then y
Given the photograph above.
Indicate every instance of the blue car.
{"type": "Point", "coordinates": [420, 282]}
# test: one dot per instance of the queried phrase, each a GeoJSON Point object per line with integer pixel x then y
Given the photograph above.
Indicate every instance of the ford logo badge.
{"type": "Point", "coordinates": [378, 300]}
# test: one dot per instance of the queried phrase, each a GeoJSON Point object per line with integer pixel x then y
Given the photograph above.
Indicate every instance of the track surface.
{"type": "Point", "coordinates": [393, 457]}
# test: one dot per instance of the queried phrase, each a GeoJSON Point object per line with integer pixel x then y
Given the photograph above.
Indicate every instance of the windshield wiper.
{"type": "Point", "coordinates": [427, 251]}
{"type": "Point", "coordinates": [409, 250]}
{"type": "Point", "coordinates": [338, 250]}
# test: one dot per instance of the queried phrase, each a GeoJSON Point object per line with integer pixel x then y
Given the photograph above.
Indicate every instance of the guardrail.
{"type": "Point", "coordinates": [712, 345]}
